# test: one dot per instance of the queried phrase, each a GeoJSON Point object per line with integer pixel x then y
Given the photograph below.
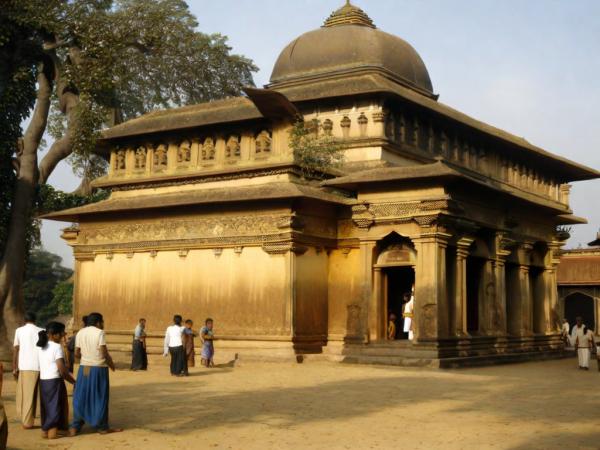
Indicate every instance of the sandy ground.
{"type": "Point", "coordinates": [542, 405]}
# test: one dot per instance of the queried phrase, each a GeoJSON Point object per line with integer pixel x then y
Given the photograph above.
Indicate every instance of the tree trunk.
{"type": "Point", "coordinates": [12, 265]}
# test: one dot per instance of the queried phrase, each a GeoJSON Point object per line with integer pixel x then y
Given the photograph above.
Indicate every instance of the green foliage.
{"type": "Point", "coordinates": [17, 95]}
{"type": "Point", "coordinates": [61, 303]}
{"type": "Point", "coordinates": [43, 275]}
{"type": "Point", "coordinates": [315, 151]}
{"type": "Point", "coordinates": [50, 199]}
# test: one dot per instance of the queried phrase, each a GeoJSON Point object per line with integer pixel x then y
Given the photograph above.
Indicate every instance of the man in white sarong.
{"type": "Point", "coordinates": [582, 339]}
{"type": "Point", "coordinates": [407, 313]}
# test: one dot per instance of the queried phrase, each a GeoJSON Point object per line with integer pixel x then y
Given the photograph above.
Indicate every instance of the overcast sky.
{"type": "Point", "coordinates": [529, 67]}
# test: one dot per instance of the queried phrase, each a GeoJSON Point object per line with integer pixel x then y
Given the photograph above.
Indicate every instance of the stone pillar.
{"type": "Point", "coordinates": [499, 307]}
{"type": "Point", "coordinates": [525, 300]}
{"type": "Point", "coordinates": [551, 307]}
{"type": "Point", "coordinates": [487, 298]}
{"type": "Point", "coordinates": [460, 284]}
{"type": "Point", "coordinates": [431, 316]}
{"type": "Point", "coordinates": [368, 315]}
{"type": "Point", "coordinates": [377, 313]}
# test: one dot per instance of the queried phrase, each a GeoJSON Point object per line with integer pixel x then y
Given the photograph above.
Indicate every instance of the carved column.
{"type": "Point", "coordinates": [368, 312]}
{"type": "Point", "coordinates": [460, 283]}
{"type": "Point", "coordinates": [551, 308]}
{"type": "Point", "coordinates": [499, 312]}
{"type": "Point", "coordinates": [431, 315]}
{"type": "Point", "coordinates": [525, 297]}
{"type": "Point", "coordinates": [377, 313]}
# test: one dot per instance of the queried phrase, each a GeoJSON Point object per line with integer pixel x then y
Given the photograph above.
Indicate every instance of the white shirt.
{"type": "Point", "coordinates": [89, 340]}
{"type": "Point", "coordinates": [48, 357]}
{"type": "Point", "coordinates": [583, 340]}
{"type": "Point", "coordinates": [26, 338]}
{"type": "Point", "coordinates": [565, 327]}
{"type": "Point", "coordinates": [173, 337]}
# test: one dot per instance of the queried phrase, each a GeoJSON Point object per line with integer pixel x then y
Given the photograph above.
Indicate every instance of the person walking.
{"type": "Point", "coordinates": [26, 369]}
{"type": "Point", "coordinates": [90, 397]}
{"type": "Point", "coordinates": [583, 339]}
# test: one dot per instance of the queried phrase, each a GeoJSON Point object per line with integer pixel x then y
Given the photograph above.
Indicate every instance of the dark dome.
{"type": "Point", "coordinates": [350, 43]}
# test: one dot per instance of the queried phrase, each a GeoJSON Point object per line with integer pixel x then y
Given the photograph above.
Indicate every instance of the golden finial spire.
{"type": "Point", "coordinates": [349, 15]}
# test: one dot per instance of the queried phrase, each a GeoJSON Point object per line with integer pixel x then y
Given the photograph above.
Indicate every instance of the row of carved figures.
{"type": "Point", "coordinates": [412, 130]}
{"type": "Point", "coordinates": [160, 154]}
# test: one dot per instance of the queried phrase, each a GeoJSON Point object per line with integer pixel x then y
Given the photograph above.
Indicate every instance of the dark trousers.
{"type": "Point", "coordinates": [139, 356]}
{"type": "Point", "coordinates": [178, 361]}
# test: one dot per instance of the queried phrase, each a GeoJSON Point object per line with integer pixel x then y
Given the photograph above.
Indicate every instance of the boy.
{"type": "Point", "coordinates": [189, 343]}
{"type": "Point", "coordinates": [392, 327]}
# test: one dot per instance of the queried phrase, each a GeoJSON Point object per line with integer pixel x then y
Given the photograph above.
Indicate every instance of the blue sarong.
{"type": "Point", "coordinates": [90, 398]}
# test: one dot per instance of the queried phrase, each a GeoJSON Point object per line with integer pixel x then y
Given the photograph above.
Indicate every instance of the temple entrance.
{"type": "Point", "coordinates": [399, 280]}
{"type": "Point", "coordinates": [474, 276]}
{"type": "Point", "coordinates": [579, 304]}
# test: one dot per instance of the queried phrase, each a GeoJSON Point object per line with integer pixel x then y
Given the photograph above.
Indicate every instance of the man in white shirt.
{"type": "Point", "coordinates": [565, 330]}
{"type": "Point", "coordinates": [26, 369]}
{"type": "Point", "coordinates": [408, 313]}
{"type": "Point", "coordinates": [174, 346]}
{"type": "Point", "coordinates": [90, 398]}
{"type": "Point", "coordinates": [583, 339]}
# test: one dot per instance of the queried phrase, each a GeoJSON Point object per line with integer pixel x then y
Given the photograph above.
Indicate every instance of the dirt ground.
{"type": "Point", "coordinates": [317, 405]}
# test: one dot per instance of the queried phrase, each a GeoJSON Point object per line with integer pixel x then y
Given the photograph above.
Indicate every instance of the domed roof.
{"type": "Point", "coordinates": [349, 41]}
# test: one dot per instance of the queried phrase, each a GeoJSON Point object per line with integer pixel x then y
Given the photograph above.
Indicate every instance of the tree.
{"type": "Point", "coordinates": [96, 63]}
{"type": "Point", "coordinates": [315, 150]}
{"type": "Point", "coordinates": [43, 276]}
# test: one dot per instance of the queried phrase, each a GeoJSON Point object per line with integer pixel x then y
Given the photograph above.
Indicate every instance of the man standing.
{"type": "Point", "coordinates": [26, 369]}
{"type": "Point", "coordinates": [407, 314]}
{"type": "Point", "coordinates": [174, 346]}
{"type": "Point", "coordinates": [583, 339]}
{"type": "Point", "coordinates": [139, 357]}
{"type": "Point", "coordinates": [90, 397]}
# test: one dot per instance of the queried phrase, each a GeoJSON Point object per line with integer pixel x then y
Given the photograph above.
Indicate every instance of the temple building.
{"type": "Point", "coordinates": [211, 215]}
{"type": "Point", "coordinates": [579, 284]}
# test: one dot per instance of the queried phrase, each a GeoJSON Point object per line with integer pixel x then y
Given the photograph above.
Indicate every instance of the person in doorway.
{"type": "Point", "coordinates": [53, 372]}
{"type": "Point", "coordinates": [565, 331]}
{"type": "Point", "coordinates": [190, 350]}
{"type": "Point", "coordinates": [391, 330]}
{"type": "Point", "coordinates": [26, 369]}
{"type": "Point", "coordinates": [208, 349]}
{"type": "Point", "coordinates": [174, 347]}
{"type": "Point", "coordinates": [139, 356]}
{"type": "Point", "coordinates": [583, 339]}
{"type": "Point", "coordinates": [90, 397]}
{"type": "Point", "coordinates": [408, 312]}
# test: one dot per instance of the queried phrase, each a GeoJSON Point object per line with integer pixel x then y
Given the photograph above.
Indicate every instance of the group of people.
{"type": "Point", "coordinates": [408, 306]}
{"type": "Point", "coordinates": [178, 343]}
{"type": "Point", "coordinates": [582, 338]}
{"type": "Point", "coordinates": [41, 364]}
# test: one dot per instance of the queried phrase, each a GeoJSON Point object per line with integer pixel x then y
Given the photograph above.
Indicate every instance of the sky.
{"type": "Point", "coordinates": [529, 67]}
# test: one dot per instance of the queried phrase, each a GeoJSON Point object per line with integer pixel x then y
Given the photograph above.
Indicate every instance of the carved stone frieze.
{"type": "Point", "coordinates": [281, 248]}
{"type": "Point", "coordinates": [362, 216]}
{"type": "Point", "coordinates": [182, 229]}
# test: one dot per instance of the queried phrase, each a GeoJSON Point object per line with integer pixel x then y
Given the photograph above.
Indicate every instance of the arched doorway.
{"type": "Point", "coordinates": [580, 304]}
{"type": "Point", "coordinates": [396, 262]}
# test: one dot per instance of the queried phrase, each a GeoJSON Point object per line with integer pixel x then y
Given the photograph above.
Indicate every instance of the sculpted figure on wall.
{"type": "Point", "coordinates": [345, 124]}
{"type": "Point", "coordinates": [327, 127]}
{"type": "Point", "coordinates": [232, 148]}
{"type": "Point", "coordinates": [208, 149]}
{"type": "Point", "coordinates": [160, 157]}
{"type": "Point", "coordinates": [140, 157]}
{"type": "Point", "coordinates": [120, 160]}
{"type": "Point", "coordinates": [362, 124]}
{"type": "Point", "coordinates": [263, 142]}
{"type": "Point", "coordinates": [184, 152]}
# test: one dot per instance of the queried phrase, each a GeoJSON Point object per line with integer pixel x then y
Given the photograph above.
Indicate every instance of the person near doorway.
{"type": "Point", "coordinates": [565, 331]}
{"type": "Point", "coordinates": [407, 313]}
{"type": "Point", "coordinates": [391, 331]}
{"type": "Point", "coordinates": [583, 339]}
